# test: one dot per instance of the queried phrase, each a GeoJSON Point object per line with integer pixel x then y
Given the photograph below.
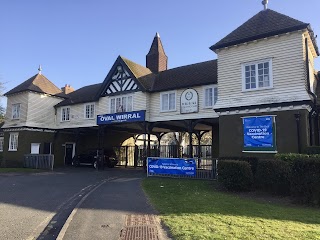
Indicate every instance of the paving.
{"type": "Point", "coordinates": [79, 204]}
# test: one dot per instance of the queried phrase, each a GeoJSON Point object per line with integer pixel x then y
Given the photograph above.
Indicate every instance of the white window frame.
{"type": "Point", "coordinates": [175, 101]}
{"type": "Point", "coordinates": [91, 110]}
{"type": "Point", "coordinates": [115, 110]}
{"type": "Point", "coordinates": [35, 146]}
{"type": "Point", "coordinates": [1, 143]}
{"type": "Point", "coordinates": [269, 60]}
{"type": "Point", "coordinates": [214, 96]}
{"type": "Point", "coordinates": [65, 118]}
{"type": "Point", "coordinates": [16, 110]}
{"type": "Point", "coordinates": [13, 141]}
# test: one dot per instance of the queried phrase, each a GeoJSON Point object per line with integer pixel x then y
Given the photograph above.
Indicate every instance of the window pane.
{"type": "Point", "coordinates": [92, 111]}
{"type": "Point", "coordinates": [208, 97]}
{"type": "Point", "coordinates": [266, 65]}
{"type": "Point", "coordinates": [129, 104]}
{"type": "Point", "coordinates": [260, 66]}
{"type": "Point", "coordinates": [215, 98]}
{"type": "Point", "coordinates": [124, 104]}
{"type": "Point", "coordinates": [113, 105]}
{"type": "Point", "coordinates": [118, 105]}
{"type": "Point", "coordinates": [165, 102]}
{"type": "Point", "coordinates": [172, 104]}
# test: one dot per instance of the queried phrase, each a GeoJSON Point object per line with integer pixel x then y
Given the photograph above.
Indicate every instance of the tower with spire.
{"type": "Point", "coordinates": [156, 59]}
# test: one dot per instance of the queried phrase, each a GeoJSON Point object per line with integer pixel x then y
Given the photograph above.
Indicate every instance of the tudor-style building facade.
{"type": "Point", "coordinates": [265, 70]}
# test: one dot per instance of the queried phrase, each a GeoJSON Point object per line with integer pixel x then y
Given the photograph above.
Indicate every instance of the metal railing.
{"type": "Point", "coordinates": [39, 161]}
{"type": "Point", "coordinates": [133, 156]}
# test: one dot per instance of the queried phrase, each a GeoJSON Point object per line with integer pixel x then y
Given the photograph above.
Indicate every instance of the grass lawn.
{"type": "Point", "coordinates": [193, 209]}
{"type": "Point", "coordinates": [19, 170]}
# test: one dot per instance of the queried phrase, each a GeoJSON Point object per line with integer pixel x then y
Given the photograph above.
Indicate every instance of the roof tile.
{"type": "Point", "coordinates": [266, 23]}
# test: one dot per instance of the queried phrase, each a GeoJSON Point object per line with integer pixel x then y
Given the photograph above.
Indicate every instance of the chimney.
{"type": "Point", "coordinates": [67, 89]}
{"type": "Point", "coordinates": [156, 59]}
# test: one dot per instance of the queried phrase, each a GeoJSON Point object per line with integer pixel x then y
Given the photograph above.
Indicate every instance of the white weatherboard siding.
{"type": "Point", "coordinates": [41, 111]}
{"type": "Point", "coordinates": [102, 107]}
{"type": "Point", "coordinates": [21, 98]}
{"type": "Point", "coordinates": [156, 115]}
{"type": "Point", "coordinates": [77, 117]}
{"type": "Point", "coordinates": [288, 67]}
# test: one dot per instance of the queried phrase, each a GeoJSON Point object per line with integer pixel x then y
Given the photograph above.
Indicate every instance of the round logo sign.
{"type": "Point", "coordinates": [189, 95]}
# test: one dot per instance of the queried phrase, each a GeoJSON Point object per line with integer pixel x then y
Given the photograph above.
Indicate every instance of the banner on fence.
{"type": "Point", "coordinates": [172, 166]}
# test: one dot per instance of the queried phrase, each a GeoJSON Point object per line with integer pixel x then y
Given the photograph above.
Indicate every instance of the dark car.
{"type": "Point", "coordinates": [90, 158]}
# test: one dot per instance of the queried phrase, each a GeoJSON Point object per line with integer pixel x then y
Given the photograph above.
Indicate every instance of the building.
{"type": "Point", "coordinates": [258, 98]}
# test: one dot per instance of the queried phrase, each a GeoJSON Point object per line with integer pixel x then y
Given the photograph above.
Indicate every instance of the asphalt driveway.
{"type": "Point", "coordinates": [73, 203]}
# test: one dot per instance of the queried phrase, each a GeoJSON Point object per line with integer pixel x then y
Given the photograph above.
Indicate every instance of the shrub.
{"type": "Point", "coordinates": [291, 157]}
{"type": "Point", "coordinates": [313, 150]}
{"type": "Point", "coordinates": [235, 175]}
{"type": "Point", "coordinates": [253, 161]}
{"type": "Point", "coordinates": [273, 176]}
{"type": "Point", "coordinates": [305, 181]}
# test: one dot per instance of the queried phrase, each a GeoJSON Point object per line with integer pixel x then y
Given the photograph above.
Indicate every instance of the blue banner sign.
{"type": "Point", "coordinates": [172, 166]}
{"type": "Point", "coordinates": [136, 116]}
{"type": "Point", "coordinates": [258, 132]}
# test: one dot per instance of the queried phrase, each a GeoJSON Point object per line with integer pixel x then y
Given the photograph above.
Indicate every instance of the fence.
{"type": "Point", "coordinates": [206, 169]}
{"type": "Point", "coordinates": [133, 156]}
{"type": "Point", "coordinates": [38, 161]}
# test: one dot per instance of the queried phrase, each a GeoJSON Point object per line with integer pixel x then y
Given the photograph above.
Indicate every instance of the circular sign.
{"type": "Point", "coordinates": [189, 101]}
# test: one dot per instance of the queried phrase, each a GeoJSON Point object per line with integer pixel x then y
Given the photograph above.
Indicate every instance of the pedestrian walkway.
{"type": "Point", "coordinates": [116, 210]}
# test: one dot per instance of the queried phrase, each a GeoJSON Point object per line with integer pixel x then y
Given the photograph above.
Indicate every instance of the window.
{"type": "Point", "coordinates": [65, 114]}
{"type": "Point", "coordinates": [168, 101]}
{"type": "Point", "coordinates": [16, 111]}
{"type": "Point", "coordinates": [210, 96]}
{"type": "Point", "coordinates": [121, 104]}
{"type": "Point", "coordinates": [13, 141]}
{"type": "Point", "coordinates": [89, 111]}
{"type": "Point", "coordinates": [257, 75]}
{"type": "Point", "coordinates": [35, 148]}
{"type": "Point", "coordinates": [1, 144]}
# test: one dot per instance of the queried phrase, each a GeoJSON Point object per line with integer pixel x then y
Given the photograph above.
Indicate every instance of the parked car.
{"type": "Point", "coordinates": [90, 158]}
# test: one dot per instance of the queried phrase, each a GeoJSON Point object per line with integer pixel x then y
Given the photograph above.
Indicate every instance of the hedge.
{"type": "Point", "coordinates": [235, 175]}
{"type": "Point", "coordinates": [305, 181]}
{"type": "Point", "coordinates": [273, 176]}
{"type": "Point", "coordinates": [253, 161]}
{"type": "Point", "coordinates": [313, 150]}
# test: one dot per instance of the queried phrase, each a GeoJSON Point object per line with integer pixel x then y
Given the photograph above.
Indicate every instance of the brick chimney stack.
{"type": "Point", "coordinates": [67, 89]}
{"type": "Point", "coordinates": [156, 59]}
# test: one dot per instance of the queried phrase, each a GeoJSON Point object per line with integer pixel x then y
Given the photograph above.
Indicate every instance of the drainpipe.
{"type": "Point", "coordinates": [297, 116]}
{"type": "Point", "coordinates": [314, 100]}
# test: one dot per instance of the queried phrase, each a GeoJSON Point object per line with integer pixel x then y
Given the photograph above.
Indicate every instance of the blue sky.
{"type": "Point", "coordinates": [76, 42]}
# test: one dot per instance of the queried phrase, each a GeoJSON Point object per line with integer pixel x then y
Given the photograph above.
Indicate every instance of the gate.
{"type": "Point", "coordinates": [133, 156]}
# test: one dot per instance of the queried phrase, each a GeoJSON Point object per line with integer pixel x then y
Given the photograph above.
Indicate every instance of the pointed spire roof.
{"type": "Point", "coordinates": [156, 46]}
{"type": "Point", "coordinates": [38, 83]}
{"type": "Point", "coordinates": [156, 59]}
{"type": "Point", "coordinates": [266, 23]}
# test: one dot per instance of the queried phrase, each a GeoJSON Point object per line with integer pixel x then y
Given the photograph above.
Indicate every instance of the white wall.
{"type": "Point", "coordinates": [288, 66]}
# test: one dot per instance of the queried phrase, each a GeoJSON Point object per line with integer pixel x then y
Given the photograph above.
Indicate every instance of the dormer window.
{"type": "Point", "coordinates": [257, 75]}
